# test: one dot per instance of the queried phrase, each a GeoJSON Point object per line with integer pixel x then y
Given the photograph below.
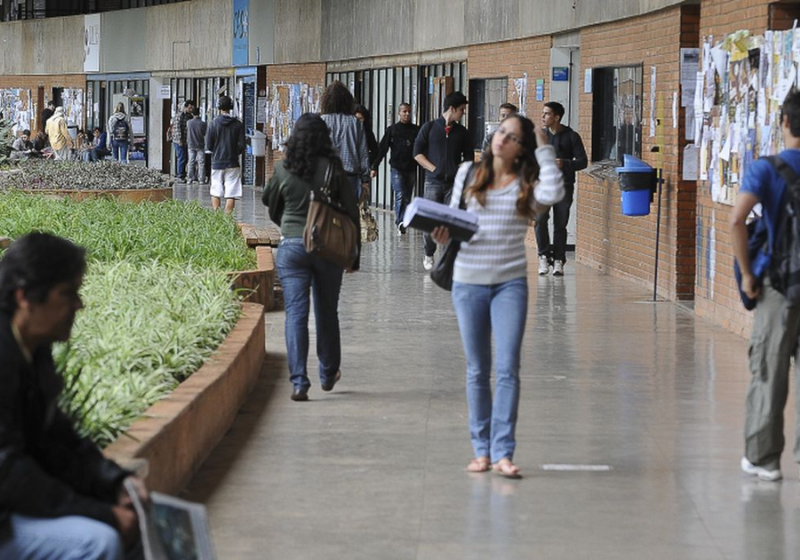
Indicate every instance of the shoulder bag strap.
{"type": "Point", "coordinates": [462, 204]}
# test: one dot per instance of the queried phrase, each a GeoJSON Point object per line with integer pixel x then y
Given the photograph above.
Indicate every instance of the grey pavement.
{"type": "Point", "coordinates": [645, 396]}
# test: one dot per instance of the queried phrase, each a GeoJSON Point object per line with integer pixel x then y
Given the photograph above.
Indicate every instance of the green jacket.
{"type": "Point", "coordinates": [287, 196]}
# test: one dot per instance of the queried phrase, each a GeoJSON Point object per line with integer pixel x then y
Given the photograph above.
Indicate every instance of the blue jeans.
{"type": "Point", "coordinates": [300, 271]}
{"type": "Point", "coordinates": [403, 187]}
{"type": "Point", "coordinates": [558, 250]}
{"type": "Point", "coordinates": [181, 158]}
{"type": "Point", "coordinates": [119, 150]}
{"type": "Point", "coordinates": [71, 537]}
{"type": "Point", "coordinates": [438, 191]}
{"type": "Point", "coordinates": [480, 310]}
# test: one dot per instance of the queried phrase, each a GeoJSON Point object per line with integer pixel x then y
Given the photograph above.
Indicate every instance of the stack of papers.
{"type": "Point", "coordinates": [426, 215]}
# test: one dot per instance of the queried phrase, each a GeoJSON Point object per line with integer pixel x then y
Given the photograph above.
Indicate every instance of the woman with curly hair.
{"type": "Point", "coordinates": [309, 152]}
{"type": "Point", "coordinates": [337, 107]}
{"type": "Point", "coordinates": [513, 183]}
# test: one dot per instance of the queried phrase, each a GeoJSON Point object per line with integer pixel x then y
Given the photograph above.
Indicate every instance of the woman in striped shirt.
{"type": "Point", "coordinates": [513, 183]}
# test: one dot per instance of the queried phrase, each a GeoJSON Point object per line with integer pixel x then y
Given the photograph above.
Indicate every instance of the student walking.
{"type": "Point", "coordinates": [400, 138]}
{"type": "Point", "coordinates": [309, 152]}
{"type": "Point", "coordinates": [515, 181]}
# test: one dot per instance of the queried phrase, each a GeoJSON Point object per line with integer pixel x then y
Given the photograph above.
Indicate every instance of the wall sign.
{"type": "Point", "coordinates": [241, 32]}
{"type": "Point", "coordinates": [560, 73]}
{"type": "Point", "coordinates": [91, 43]}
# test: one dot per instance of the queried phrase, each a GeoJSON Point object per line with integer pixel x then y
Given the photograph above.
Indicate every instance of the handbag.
{"type": "Point", "coordinates": [330, 233]}
{"type": "Point", "coordinates": [442, 272]}
{"type": "Point", "coordinates": [369, 227]}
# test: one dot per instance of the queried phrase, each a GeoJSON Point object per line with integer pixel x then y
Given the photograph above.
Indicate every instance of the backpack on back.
{"type": "Point", "coordinates": [785, 266]}
{"type": "Point", "coordinates": [120, 130]}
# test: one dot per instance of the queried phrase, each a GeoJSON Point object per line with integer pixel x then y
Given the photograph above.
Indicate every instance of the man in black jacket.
{"type": "Point", "coordinates": [225, 141]}
{"type": "Point", "coordinates": [400, 138]}
{"type": "Point", "coordinates": [570, 157]}
{"type": "Point", "coordinates": [441, 146]}
{"type": "Point", "coordinates": [59, 497]}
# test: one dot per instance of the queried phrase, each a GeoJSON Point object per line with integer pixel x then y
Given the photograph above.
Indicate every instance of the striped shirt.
{"type": "Point", "coordinates": [347, 135]}
{"type": "Point", "coordinates": [496, 253]}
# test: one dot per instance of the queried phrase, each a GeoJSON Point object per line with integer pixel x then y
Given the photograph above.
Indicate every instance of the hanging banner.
{"type": "Point", "coordinates": [91, 43]}
{"type": "Point", "coordinates": [241, 32]}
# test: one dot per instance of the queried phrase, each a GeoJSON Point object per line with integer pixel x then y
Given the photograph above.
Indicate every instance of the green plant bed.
{"type": "Point", "coordinates": [52, 175]}
{"type": "Point", "coordinates": [157, 294]}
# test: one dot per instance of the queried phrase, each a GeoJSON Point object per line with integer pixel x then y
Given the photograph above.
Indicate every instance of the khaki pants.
{"type": "Point", "coordinates": [774, 341]}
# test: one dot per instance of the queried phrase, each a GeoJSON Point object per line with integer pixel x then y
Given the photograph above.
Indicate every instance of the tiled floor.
{"type": "Point", "coordinates": [375, 469]}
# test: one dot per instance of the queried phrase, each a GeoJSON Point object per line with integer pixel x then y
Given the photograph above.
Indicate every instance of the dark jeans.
{"type": "Point", "coordinates": [181, 158]}
{"type": "Point", "coordinates": [403, 186]}
{"type": "Point", "coordinates": [558, 250]}
{"type": "Point", "coordinates": [119, 149]}
{"type": "Point", "coordinates": [299, 273]}
{"type": "Point", "coordinates": [438, 191]}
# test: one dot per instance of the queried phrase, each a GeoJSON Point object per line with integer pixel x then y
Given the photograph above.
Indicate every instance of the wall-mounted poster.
{"type": "Point", "coordinates": [91, 43]}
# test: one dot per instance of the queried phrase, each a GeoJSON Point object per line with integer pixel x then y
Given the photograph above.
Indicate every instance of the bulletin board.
{"type": "Point", "coordinates": [740, 88]}
{"type": "Point", "coordinates": [72, 101]}
{"type": "Point", "coordinates": [18, 108]}
{"type": "Point", "coordinates": [286, 103]}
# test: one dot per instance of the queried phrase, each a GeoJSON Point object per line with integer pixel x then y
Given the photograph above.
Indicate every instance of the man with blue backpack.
{"type": "Point", "coordinates": [770, 280]}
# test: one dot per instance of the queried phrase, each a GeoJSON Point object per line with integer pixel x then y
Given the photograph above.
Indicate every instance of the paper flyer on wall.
{"type": "Point", "coordinates": [172, 529]}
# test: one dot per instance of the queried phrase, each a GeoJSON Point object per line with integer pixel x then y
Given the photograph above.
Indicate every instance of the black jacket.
{"type": "Point", "coordinates": [46, 468]}
{"type": "Point", "coordinates": [569, 148]}
{"type": "Point", "coordinates": [400, 138]}
{"type": "Point", "coordinates": [225, 141]}
{"type": "Point", "coordinates": [444, 150]}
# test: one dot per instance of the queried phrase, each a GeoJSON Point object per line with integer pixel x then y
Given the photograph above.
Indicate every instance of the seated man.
{"type": "Point", "coordinates": [22, 146]}
{"type": "Point", "coordinates": [59, 497]}
{"type": "Point", "coordinates": [98, 151]}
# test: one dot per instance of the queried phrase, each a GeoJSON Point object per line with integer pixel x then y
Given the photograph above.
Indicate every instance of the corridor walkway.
{"type": "Point", "coordinates": [645, 397]}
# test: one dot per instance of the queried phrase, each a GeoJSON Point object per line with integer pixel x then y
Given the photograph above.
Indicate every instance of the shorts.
{"type": "Point", "coordinates": [226, 183]}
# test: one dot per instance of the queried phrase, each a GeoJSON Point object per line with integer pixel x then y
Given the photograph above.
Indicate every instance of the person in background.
{"type": "Point", "coordinates": [22, 146]}
{"type": "Point", "coordinates": [516, 180]}
{"type": "Point", "coordinates": [400, 138]}
{"type": "Point", "coordinates": [58, 134]}
{"type": "Point", "coordinates": [347, 134]}
{"type": "Point", "coordinates": [225, 140]}
{"type": "Point", "coordinates": [441, 145]}
{"type": "Point", "coordinates": [363, 115]}
{"type": "Point", "coordinates": [570, 157]}
{"type": "Point", "coordinates": [178, 132]}
{"type": "Point", "coordinates": [59, 497]}
{"type": "Point", "coordinates": [309, 152]}
{"type": "Point", "coordinates": [40, 141]}
{"type": "Point", "coordinates": [506, 110]}
{"type": "Point", "coordinates": [48, 112]}
{"type": "Point", "coordinates": [196, 129]}
{"type": "Point", "coordinates": [98, 151]}
{"type": "Point", "coordinates": [119, 134]}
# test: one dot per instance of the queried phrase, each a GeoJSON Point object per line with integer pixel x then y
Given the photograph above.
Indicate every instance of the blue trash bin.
{"type": "Point", "coordinates": [637, 181]}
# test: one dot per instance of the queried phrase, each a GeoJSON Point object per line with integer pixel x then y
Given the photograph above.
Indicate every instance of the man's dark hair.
{"type": "Point", "coordinates": [224, 103]}
{"type": "Point", "coordinates": [26, 132]}
{"type": "Point", "coordinates": [791, 108]}
{"type": "Point", "coordinates": [51, 103]}
{"type": "Point", "coordinates": [454, 100]}
{"type": "Point", "coordinates": [97, 129]}
{"type": "Point", "coordinates": [196, 112]}
{"type": "Point", "coordinates": [557, 108]}
{"type": "Point", "coordinates": [189, 103]}
{"type": "Point", "coordinates": [36, 262]}
{"type": "Point", "coordinates": [404, 104]}
{"type": "Point", "coordinates": [337, 99]}
{"type": "Point", "coordinates": [509, 106]}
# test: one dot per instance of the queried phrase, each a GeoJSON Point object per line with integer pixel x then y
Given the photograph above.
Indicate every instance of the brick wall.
{"type": "Point", "coordinates": [716, 297]}
{"type": "Point", "coordinates": [607, 240]}
{"type": "Point", "coordinates": [312, 74]}
{"type": "Point", "coordinates": [34, 82]}
{"type": "Point", "coordinates": [513, 59]}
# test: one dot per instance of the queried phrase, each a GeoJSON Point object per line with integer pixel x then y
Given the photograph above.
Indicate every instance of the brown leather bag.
{"type": "Point", "coordinates": [329, 232]}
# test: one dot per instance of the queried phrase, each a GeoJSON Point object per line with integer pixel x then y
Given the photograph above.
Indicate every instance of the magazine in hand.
{"type": "Point", "coordinates": [172, 529]}
{"type": "Point", "coordinates": [426, 214]}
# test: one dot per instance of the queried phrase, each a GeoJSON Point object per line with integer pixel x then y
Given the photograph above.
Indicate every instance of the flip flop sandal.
{"type": "Point", "coordinates": [479, 465]}
{"type": "Point", "coordinates": [506, 469]}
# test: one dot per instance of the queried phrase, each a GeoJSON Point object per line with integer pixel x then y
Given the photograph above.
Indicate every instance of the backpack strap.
{"type": "Point", "coordinates": [785, 171]}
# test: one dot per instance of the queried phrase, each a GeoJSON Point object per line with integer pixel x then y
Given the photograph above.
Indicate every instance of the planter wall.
{"type": "Point", "coordinates": [126, 195]}
{"type": "Point", "coordinates": [260, 282]}
{"type": "Point", "coordinates": [178, 433]}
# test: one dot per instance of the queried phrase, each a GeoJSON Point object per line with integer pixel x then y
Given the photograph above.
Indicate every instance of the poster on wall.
{"type": "Point", "coordinates": [91, 43]}
{"type": "Point", "coordinates": [286, 103]}
{"type": "Point", "coordinates": [17, 107]}
{"type": "Point", "coordinates": [241, 32]}
{"type": "Point", "coordinates": [72, 101]}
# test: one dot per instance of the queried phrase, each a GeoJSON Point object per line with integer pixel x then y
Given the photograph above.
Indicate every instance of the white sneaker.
{"type": "Point", "coordinates": [427, 263]}
{"type": "Point", "coordinates": [400, 229]}
{"type": "Point", "coordinates": [760, 472]}
{"type": "Point", "coordinates": [558, 268]}
{"type": "Point", "coordinates": [544, 266]}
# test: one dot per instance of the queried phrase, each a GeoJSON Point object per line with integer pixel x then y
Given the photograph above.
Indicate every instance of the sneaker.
{"type": "Point", "coordinates": [544, 265]}
{"type": "Point", "coordinates": [558, 268]}
{"type": "Point", "coordinates": [760, 472]}
{"type": "Point", "coordinates": [427, 263]}
{"type": "Point", "coordinates": [400, 229]}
